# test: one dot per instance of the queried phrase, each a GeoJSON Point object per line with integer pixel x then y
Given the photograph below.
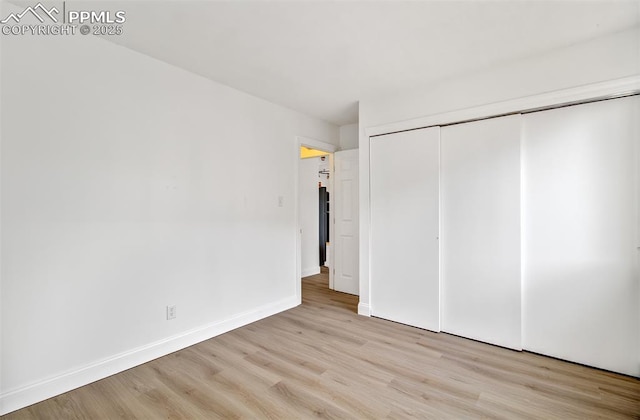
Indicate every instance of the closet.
{"type": "Point", "coordinates": [519, 231]}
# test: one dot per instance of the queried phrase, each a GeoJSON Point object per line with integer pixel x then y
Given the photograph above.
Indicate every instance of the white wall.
{"type": "Point", "coordinates": [309, 216]}
{"type": "Point", "coordinates": [601, 59]}
{"type": "Point", "coordinates": [606, 58]}
{"type": "Point", "coordinates": [1, 265]}
{"type": "Point", "coordinates": [349, 136]}
{"type": "Point", "coordinates": [127, 186]}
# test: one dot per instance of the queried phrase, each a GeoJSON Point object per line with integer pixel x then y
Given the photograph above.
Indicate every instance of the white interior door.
{"type": "Point", "coordinates": [480, 170]}
{"type": "Point", "coordinates": [345, 207]}
{"type": "Point", "coordinates": [309, 216]}
{"type": "Point", "coordinates": [404, 179]}
{"type": "Point", "coordinates": [580, 228]}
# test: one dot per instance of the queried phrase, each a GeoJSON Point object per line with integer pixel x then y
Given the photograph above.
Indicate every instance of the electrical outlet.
{"type": "Point", "coordinates": [171, 312]}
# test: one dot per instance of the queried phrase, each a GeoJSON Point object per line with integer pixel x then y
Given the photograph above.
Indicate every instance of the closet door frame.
{"type": "Point", "coordinates": [602, 90]}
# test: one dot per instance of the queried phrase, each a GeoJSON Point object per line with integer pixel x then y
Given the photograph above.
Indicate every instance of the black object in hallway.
{"type": "Point", "coordinates": [324, 223]}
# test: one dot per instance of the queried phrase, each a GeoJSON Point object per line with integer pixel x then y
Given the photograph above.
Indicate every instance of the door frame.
{"type": "Point", "coordinates": [325, 147]}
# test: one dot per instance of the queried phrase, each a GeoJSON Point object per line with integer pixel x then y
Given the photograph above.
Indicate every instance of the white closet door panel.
{"type": "Point", "coordinates": [581, 292]}
{"type": "Point", "coordinates": [481, 230]}
{"type": "Point", "coordinates": [404, 177]}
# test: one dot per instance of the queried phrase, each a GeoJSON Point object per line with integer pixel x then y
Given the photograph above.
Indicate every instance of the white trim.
{"type": "Point", "coordinates": [316, 144]}
{"type": "Point", "coordinates": [364, 309]}
{"type": "Point", "coordinates": [310, 271]}
{"type": "Point", "coordinates": [616, 87]}
{"type": "Point", "coordinates": [39, 391]}
{"type": "Point", "coordinates": [364, 230]}
{"type": "Point", "coordinates": [1, 270]}
{"type": "Point", "coordinates": [440, 311]}
{"type": "Point", "coordinates": [296, 210]}
{"type": "Point", "coordinates": [332, 220]}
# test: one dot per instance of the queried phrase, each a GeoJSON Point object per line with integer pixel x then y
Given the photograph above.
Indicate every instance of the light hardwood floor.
{"type": "Point", "coordinates": [322, 360]}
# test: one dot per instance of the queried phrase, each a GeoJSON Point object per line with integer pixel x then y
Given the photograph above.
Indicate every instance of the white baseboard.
{"type": "Point", "coordinates": [364, 309]}
{"type": "Point", "coordinates": [310, 271]}
{"type": "Point", "coordinates": [50, 387]}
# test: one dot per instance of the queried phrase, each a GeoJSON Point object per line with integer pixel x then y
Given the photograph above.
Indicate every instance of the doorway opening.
{"type": "Point", "coordinates": [314, 202]}
{"type": "Point", "coordinates": [327, 194]}
{"type": "Point", "coordinates": [342, 247]}
{"type": "Point", "coordinates": [314, 180]}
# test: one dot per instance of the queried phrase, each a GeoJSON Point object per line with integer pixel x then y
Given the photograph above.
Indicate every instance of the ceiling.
{"type": "Point", "coordinates": [321, 57]}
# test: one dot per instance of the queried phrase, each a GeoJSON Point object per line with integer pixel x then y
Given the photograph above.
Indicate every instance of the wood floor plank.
{"type": "Point", "coordinates": [321, 359]}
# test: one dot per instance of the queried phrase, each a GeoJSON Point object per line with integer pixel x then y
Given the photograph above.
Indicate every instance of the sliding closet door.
{"type": "Point", "coordinates": [404, 227]}
{"type": "Point", "coordinates": [481, 230]}
{"type": "Point", "coordinates": [580, 290]}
